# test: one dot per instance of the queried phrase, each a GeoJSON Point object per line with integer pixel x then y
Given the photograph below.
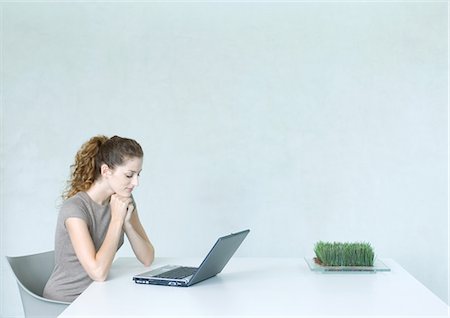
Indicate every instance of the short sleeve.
{"type": "Point", "coordinates": [74, 207]}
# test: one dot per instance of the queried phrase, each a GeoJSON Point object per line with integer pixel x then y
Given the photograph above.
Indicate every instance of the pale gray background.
{"type": "Point", "coordinates": [301, 121]}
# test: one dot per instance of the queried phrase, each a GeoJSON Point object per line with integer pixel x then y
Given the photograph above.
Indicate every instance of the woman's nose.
{"type": "Point", "coordinates": [135, 180]}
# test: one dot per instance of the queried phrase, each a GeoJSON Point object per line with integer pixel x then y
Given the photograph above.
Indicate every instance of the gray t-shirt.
{"type": "Point", "coordinates": [69, 279]}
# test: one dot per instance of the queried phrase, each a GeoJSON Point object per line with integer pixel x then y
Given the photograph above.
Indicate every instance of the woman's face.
{"type": "Point", "coordinates": [123, 179]}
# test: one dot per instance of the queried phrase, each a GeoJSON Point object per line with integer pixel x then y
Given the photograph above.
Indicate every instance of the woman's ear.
{"type": "Point", "coordinates": [105, 171]}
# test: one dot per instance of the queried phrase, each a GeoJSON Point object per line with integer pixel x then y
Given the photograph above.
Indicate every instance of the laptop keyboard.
{"type": "Point", "coordinates": [178, 273]}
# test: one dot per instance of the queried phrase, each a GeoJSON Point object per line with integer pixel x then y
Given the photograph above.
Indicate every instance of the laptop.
{"type": "Point", "coordinates": [184, 276]}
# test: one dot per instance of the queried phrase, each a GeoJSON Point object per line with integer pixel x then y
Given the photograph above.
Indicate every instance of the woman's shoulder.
{"type": "Point", "coordinates": [78, 199]}
{"type": "Point", "coordinates": [77, 204]}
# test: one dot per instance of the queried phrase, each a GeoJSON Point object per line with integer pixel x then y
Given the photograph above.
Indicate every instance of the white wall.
{"type": "Point", "coordinates": [301, 121]}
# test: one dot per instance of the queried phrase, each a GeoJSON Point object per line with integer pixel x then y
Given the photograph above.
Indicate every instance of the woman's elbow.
{"type": "Point", "coordinates": [98, 275]}
{"type": "Point", "coordinates": [147, 263]}
{"type": "Point", "coordinates": [149, 259]}
{"type": "Point", "coordinates": [99, 278]}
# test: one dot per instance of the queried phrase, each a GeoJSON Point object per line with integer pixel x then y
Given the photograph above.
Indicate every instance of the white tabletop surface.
{"type": "Point", "coordinates": [256, 287]}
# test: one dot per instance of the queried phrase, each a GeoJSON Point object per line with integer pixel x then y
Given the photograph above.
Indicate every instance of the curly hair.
{"type": "Point", "coordinates": [97, 151]}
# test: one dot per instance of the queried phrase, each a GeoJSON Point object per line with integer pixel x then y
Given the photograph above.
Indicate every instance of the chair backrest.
{"type": "Point", "coordinates": [32, 273]}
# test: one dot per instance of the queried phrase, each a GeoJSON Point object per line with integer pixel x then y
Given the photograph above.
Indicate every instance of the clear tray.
{"type": "Point", "coordinates": [378, 266]}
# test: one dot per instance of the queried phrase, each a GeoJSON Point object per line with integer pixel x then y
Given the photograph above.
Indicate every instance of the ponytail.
{"type": "Point", "coordinates": [85, 169]}
{"type": "Point", "coordinates": [95, 152]}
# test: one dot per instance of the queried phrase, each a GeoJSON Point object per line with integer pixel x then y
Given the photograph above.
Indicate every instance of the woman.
{"type": "Point", "coordinates": [98, 210]}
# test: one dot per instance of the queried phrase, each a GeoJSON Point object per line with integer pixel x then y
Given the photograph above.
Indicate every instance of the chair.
{"type": "Point", "coordinates": [32, 273]}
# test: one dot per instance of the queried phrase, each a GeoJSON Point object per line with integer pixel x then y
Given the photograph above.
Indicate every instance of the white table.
{"type": "Point", "coordinates": [269, 287]}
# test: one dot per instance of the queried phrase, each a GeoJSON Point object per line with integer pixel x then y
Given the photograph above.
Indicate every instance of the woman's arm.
{"type": "Point", "coordinates": [139, 241]}
{"type": "Point", "coordinates": [97, 264]}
